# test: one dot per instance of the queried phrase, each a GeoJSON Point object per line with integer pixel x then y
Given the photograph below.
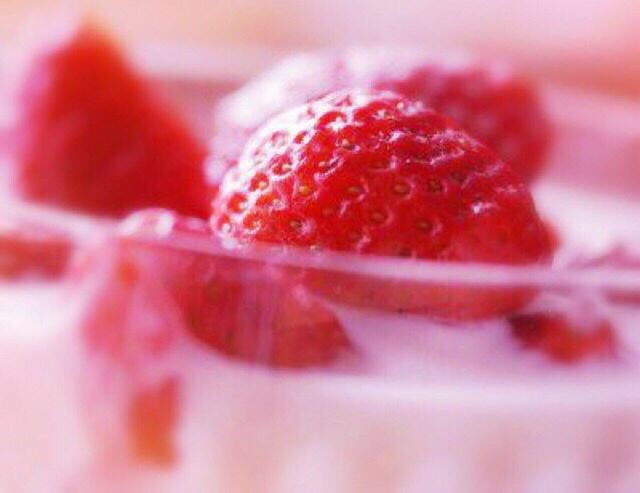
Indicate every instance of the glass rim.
{"type": "Point", "coordinates": [406, 269]}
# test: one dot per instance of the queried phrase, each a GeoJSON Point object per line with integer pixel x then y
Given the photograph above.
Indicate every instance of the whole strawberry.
{"type": "Point", "coordinates": [377, 173]}
{"type": "Point", "coordinates": [90, 134]}
{"type": "Point", "coordinates": [489, 100]}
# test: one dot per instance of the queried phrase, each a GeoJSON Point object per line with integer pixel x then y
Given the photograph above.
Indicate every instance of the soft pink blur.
{"type": "Point", "coordinates": [590, 42]}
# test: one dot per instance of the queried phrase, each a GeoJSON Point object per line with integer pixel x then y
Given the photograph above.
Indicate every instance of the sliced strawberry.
{"type": "Point", "coordinates": [92, 135]}
{"type": "Point", "coordinates": [489, 100]}
{"type": "Point", "coordinates": [555, 240]}
{"type": "Point", "coordinates": [375, 173]}
{"type": "Point", "coordinates": [32, 250]}
{"type": "Point", "coordinates": [145, 299]}
{"type": "Point", "coordinates": [263, 319]}
{"type": "Point", "coordinates": [244, 309]}
{"type": "Point", "coordinates": [152, 416]}
{"type": "Point", "coordinates": [561, 339]}
{"type": "Point", "coordinates": [130, 330]}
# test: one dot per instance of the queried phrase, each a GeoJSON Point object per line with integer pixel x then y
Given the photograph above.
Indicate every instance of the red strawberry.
{"type": "Point", "coordinates": [561, 339]}
{"type": "Point", "coordinates": [245, 309]}
{"type": "Point", "coordinates": [555, 240]}
{"type": "Point", "coordinates": [130, 330]}
{"type": "Point", "coordinates": [372, 172]}
{"type": "Point", "coordinates": [142, 304]}
{"type": "Point", "coordinates": [30, 250]}
{"type": "Point", "coordinates": [152, 416]}
{"type": "Point", "coordinates": [492, 103]}
{"type": "Point", "coordinates": [91, 134]}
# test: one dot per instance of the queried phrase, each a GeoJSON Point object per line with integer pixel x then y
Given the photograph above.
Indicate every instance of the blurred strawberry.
{"type": "Point", "coordinates": [244, 309]}
{"type": "Point", "coordinates": [152, 416]}
{"type": "Point", "coordinates": [562, 339]}
{"type": "Point", "coordinates": [130, 330]}
{"type": "Point", "coordinates": [90, 134]}
{"type": "Point", "coordinates": [490, 101]}
{"type": "Point", "coordinates": [144, 298]}
{"type": "Point", "coordinates": [555, 240]}
{"type": "Point", "coordinates": [376, 173]}
{"type": "Point", "coordinates": [30, 250]}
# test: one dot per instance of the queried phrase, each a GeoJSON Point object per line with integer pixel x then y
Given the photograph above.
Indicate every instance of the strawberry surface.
{"type": "Point", "coordinates": [91, 134]}
{"type": "Point", "coordinates": [373, 172]}
{"type": "Point", "coordinates": [489, 100]}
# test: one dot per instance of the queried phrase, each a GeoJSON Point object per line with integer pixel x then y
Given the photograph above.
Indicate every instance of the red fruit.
{"type": "Point", "coordinates": [130, 329]}
{"type": "Point", "coordinates": [492, 103]}
{"type": "Point", "coordinates": [92, 135]}
{"type": "Point", "coordinates": [561, 339]}
{"type": "Point", "coordinates": [372, 172]}
{"type": "Point", "coordinates": [555, 240]}
{"type": "Point", "coordinates": [152, 415]}
{"type": "Point", "coordinates": [244, 309]}
{"type": "Point", "coordinates": [30, 250]}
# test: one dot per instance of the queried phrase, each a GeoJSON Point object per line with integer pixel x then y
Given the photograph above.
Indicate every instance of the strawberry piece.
{"type": "Point", "coordinates": [555, 239]}
{"type": "Point", "coordinates": [561, 339]}
{"type": "Point", "coordinates": [492, 103]}
{"type": "Point", "coordinates": [90, 134]}
{"type": "Point", "coordinates": [130, 331]}
{"type": "Point", "coordinates": [267, 321]}
{"type": "Point", "coordinates": [32, 251]}
{"type": "Point", "coordinates": [152, 415]}
{"type": "Point", "coordinates": [375, 173]}
{"type": "Point", "coordinates": [244, 309]}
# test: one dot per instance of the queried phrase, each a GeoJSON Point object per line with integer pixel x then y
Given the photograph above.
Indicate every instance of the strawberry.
{"type": "Point", "coordinates": [144, 304]}
{"type": "Point", "coordinates": [130, 333]}
{"type": "Point", "coordinates": [244, 309]}
{"type": "Point", "coordinates": [151, 417]}
{"type": "Point", "coordinates": [376, 173]}
{"type": "Point", "coordinates": [555, 239]}
{"type": "Point", "coordinates": [32, 250]}
{"type": "Point", "coordinates": [492, 103]}
{"type": "Point", "coordinates": [91, 134]}
{"type": "Point", "coordinates": [561, 339]}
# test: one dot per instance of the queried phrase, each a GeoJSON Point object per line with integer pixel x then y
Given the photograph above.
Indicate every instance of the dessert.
{"type": "Point", "coordinates": [182, 354]}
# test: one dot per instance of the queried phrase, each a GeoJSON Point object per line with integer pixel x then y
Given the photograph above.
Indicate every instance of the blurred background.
{"type": "Point", "coordinates": [591, 43]}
